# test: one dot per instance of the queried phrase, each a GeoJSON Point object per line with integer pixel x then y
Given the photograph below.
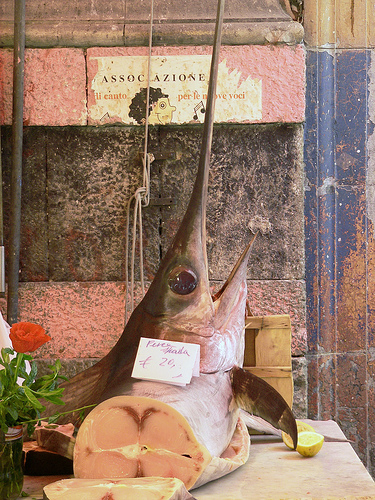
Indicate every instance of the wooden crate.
{"type": "Point", "coordinates": [268, 352]}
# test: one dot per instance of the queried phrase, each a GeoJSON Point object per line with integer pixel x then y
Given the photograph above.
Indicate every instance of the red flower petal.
{"type": "Point", "coordinates": [27, 337]}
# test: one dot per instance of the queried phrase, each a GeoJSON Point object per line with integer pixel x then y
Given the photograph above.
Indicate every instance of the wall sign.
{"type": "Point", "coordinates": [178, 91]}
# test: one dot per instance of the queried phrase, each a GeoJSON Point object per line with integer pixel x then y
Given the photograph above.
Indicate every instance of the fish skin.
{"type": "Point", "coordinates": [215, 322]}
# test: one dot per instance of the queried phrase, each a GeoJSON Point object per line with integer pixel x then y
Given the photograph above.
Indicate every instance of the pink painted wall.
{"type": "Point", "coordinates": [85, 319]}
{"type": "Point", "coordinates": [55, 87]}
{"type": "Point", "coordinates": [55, 80]}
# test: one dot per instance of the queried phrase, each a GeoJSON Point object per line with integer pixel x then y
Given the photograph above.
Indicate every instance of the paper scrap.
{"type": "Point", "coordinates": [166, 361]}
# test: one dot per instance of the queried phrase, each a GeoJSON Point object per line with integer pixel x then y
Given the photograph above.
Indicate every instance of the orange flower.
{"type": "Point", "coordinates": [27, 337]}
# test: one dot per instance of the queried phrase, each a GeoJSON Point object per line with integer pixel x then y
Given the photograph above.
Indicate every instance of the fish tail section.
{"type": "Point", "coordinates": [257, 397]}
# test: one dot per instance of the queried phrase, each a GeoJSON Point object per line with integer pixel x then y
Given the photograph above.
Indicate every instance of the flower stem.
{"type": "Point", "coordinates": [19, 361]}
{"type": "Point", "coordinates": [58, 415]}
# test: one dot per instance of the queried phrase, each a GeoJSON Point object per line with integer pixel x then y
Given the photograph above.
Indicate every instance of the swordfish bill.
{"type": "Point", "coordinates": [179, 306]}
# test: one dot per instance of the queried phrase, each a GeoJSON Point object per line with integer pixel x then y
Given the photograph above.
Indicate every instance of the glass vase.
{"type": "Point", "coordinates": [11, 470]}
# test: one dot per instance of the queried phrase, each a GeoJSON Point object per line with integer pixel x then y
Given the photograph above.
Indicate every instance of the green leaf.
{"type": "Point", "coordinates": [30, 428]}
{"type": "Point", "coordinates": [54, 399]}
{"type": "Point", "coordinates": [33, 400]}
{"type": "Point", "coordinates": [32, 375]}
{"type": "Point", "coordinates": [22, 403]}
{"type": "Point", "coordinates": [56, 366]}
{"type": "Point", "coordinates": [53, 418]}
{"type": "Point", "coordinates": [12, 412]}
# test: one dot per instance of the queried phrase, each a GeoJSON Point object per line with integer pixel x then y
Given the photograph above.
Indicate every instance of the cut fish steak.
{"type": "Point", "coordinates": [145, 488]}
{"type": "Point", "coordinates": [131, 436]}
{"type": "Point", "coordinates": [128, 436]}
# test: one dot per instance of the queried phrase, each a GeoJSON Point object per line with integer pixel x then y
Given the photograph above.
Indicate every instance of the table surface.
{"type": "Point", "coordinates": [273, 472]}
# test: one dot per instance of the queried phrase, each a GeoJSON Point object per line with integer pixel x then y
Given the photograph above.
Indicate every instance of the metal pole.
{"type": "Point", "coordinates": [2, 253]}
{"type": "Point", "coordinates": [16, 175]}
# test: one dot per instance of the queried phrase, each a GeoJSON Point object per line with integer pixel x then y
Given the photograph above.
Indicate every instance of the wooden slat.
{"type": "Point", "coordinates": [268, 352]}
{"type": "Point", "coordinates": [249, 355]}
{"type": "Point", "coordinates": [262, 322]}
{"type": "Point", "coordinates": [272, 347]}
{"type": "Point", "coordinates": [269, 371]}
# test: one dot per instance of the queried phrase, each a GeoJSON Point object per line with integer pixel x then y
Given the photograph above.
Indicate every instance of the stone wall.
{"type": "Point", "coordinates": [339, 207]}
{"type": "Point", "coordinates": [77, 178]}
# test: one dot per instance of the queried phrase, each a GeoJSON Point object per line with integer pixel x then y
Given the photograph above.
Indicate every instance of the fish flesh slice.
{"type": "Point", "coordinates": [132, 436]}
{"type": "Point", "coordinates": [144, 488]}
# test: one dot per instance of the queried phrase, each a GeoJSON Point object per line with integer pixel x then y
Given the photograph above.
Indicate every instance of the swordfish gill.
{"type": "Point", "coordinates": [194, 433]}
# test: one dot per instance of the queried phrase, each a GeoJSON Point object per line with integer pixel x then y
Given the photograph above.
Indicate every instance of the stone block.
{"type": "Point", "coordinates": [326, 292]}
{"type": "Point", "coordinates": [371, 394]}
{"type": "Point", "coordinates": [327, 386]}
{"type": "Point", "coordinates": [281, 297]}
{"type": "Point", "coordinates": [347, 24]}
{"type": "Point", "coordinates": [352, 261]}
{"type": "Point", "coordinates": [351, 109]}
{"type": "Point", "coordinates": [92, 176]}
{"type": "Point", "coordinates": [86, 177]}
{"type": "Point", "coordinates": [313, 387]}
{"type": "Point", "coordinates": [299, 368]}
{"type": "Point", "coordinates": [84, 320]}
{"type": "Point", "coordinates": [118, 23]}
{"type": "Point", "coordinates": [353, 423]}
{"type": "Point", "coordinates": [371, 286]}
{"type": "Point", "coordinates": [54, 87]}
{"type": "Point", "coordinates": [351, 380]}
{"type": "Point", "coordinates": [248, 192]}
{"type": "Point", "coordinates": [34, 219]}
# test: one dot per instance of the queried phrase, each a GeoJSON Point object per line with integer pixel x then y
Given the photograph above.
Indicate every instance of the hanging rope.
{"type": "Point", "coordinates": [141, 198]}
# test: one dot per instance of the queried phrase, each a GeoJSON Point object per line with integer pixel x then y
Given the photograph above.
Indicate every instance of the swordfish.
{"type": "Point", "coordinates": [178, 306]}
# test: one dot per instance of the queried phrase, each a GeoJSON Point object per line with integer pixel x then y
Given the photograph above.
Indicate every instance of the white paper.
{"type": "Point", "coordinates": [4, 333]}
{"type": "Point", "coordinates": [166, 361]}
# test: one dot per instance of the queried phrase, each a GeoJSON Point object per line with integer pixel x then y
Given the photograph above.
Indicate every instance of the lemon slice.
{"type": "Point", "coordinates": [309, 443]}
{"type": "Point", "coordinates": [301, 427]}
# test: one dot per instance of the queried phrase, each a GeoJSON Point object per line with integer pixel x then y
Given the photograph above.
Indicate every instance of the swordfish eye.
{"type": "Point", "coordinates": [182, 281]}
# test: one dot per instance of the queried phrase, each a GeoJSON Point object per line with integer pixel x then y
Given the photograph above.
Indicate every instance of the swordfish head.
{"type": "Point", "coordinates": [179, 305]}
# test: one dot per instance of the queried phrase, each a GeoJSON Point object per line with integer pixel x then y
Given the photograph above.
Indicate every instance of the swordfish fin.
{"type": "Point", "coordinates": [257, 397]}
{"type": "Point", "coordinates": [87, 387]}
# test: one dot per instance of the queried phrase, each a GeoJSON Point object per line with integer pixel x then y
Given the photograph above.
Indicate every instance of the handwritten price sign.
{"type": "Point", "coordinates": [165, 361]}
